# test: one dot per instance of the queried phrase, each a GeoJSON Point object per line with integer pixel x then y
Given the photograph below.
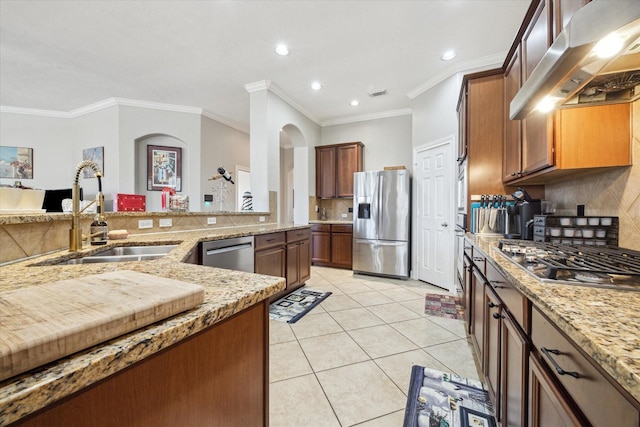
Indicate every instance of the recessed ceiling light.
{"type": "Point", "coordinates": [316, 86]}
{"type": "Point", "coordinates": [282, 50]}
{"type": "Point", "coordinates": [448, 55]}
{"type": "Point", "coordinates": [354, 103]}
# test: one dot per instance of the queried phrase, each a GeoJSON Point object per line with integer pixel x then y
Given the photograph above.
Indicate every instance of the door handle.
{"type": "Point", "coordinates": [444, 224]}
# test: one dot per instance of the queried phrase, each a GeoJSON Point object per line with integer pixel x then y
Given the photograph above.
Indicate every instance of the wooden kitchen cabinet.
{"type": "Point", "coordinates": [284, 254]}
{"type": "Point", "coordinates": [563, 10]}
{"type": "Point", "coordinates": [332, 245]}
{"type": "Point", "coordinates": [512, 154]}
{"type": "Point", "coordinates": [492, 320]}
{"type": "Point", "coordinates": [321, 244]}
{"type": "Point", "coordinates": [298, 258]}
{"type": "Point", "coordinates": [269, 254]}
{"type": "Point", "coordinates": [514, 365]}
{"type": "Point", "coordinates": [548, 404]}
{"type": "Point", "coordinates": [335, 166]}
{"type": "Point", "coordinates": [195, 382]}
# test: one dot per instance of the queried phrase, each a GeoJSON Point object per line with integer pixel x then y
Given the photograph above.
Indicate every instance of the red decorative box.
{"type": "Point", "coordinates": [129, 203]}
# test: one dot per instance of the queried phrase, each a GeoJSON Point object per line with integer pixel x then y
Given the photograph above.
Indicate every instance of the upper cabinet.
{"type": "Point", "coordinates": [544, 147]}
{"type": "Point", "coordinates": [335, 166]}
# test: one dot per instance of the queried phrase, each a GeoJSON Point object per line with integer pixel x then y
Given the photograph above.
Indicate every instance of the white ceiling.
{"type": "Point", "coordinates": [65, 55]}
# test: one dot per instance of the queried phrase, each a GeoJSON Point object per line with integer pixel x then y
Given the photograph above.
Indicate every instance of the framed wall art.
{"type": "Point", "coordinates": [164, 168]}
{"type": "Point", "coordinates": [96, 155]}
{"type": "Point", "coordinates": [16, 162]}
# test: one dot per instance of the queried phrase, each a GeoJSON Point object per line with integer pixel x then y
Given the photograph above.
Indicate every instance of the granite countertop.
{"type": "Point", "coordinates": [331, 221]}
{"type": "Point", "coordinates": [602, 322]}
{"type": "Point", "coordinates": [227, 292]}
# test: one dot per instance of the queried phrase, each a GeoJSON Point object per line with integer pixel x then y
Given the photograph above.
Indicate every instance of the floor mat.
{"type": "Point", "coordinates": [441, 305]}
{"type": "Point", "coordinates": [293, 306]}
{"type": "Point", "coordinates": [439, 398]}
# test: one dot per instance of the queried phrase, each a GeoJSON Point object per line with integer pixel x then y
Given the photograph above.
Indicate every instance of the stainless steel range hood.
{"type": "Point", "coordinates": [571, 74]}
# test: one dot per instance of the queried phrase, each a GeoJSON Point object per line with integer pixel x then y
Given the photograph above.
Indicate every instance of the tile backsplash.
{"type": "Point", "coordinates": [335, 208]}
{"type": "Point", "coordinates": [614, 192]}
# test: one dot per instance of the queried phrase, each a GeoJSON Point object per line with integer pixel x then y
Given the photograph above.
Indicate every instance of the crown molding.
{"type": "Point", "coordinates": [33, 112]}
{"type": "Point", "coordinates": [156, 106]}
{"type": "Point", "coordinates": [256, 86]}
{"type": "Point", "coordinates": [485, 62]}
{"type": "Point", "coordinates": [365, 117]}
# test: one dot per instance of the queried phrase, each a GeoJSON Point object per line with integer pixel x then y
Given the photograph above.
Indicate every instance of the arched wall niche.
{"type": "Point", "coordinates": [153, 199]}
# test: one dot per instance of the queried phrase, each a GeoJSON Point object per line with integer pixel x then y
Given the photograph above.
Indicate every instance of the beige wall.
{"type": "Point", "coordinates": [615, 193]}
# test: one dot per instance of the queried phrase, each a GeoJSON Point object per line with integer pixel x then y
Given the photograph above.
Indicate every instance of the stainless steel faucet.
{"type": "Point", "coordinates": [75, 233]}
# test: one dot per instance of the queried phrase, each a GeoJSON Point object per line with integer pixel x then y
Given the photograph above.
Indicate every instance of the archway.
{"type": "Point", "coordinates": [142, 175]}
{"type": "Point", "coordinates": [293, 198]}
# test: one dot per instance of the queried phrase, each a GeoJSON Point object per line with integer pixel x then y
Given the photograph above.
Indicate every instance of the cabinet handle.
{"type": "Point", "coordinates": [494, 283]}
{"type": "Point", "coordinates": [497, 316]}
{"type": "Point", "coordinates": [492, 304]}
{"type": "Point", "coordinates": [270, 240]}
{"type": "Point", "coordinates": [478, 259]}
{"type": "Point", "coordinates": [559, 370]}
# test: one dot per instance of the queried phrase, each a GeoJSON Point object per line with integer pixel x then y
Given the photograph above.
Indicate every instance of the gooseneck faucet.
{"type": "Point", "coordinates": [75, 233]}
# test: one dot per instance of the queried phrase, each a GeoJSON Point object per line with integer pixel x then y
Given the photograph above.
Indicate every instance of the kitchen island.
{"type": "Point", "coordinates": [208, 365]}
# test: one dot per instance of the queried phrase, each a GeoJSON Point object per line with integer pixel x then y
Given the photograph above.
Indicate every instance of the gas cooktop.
{"type": "Point", "coordinates": [598, 266]}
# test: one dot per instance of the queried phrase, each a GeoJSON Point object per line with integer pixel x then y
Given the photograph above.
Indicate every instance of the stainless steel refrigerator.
{"type": "Point", "coordinates": [381, 224]}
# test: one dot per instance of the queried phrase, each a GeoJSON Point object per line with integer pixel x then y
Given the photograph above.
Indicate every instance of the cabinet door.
{"type": "Point", "coordinates": [270, 262]}
{"type": "Point", "coordinates": [293, 261]}
{"type": "Point", "coordinates": [325, 172]}
{"type": "Point", "coordinates": [477, 311]}
{"type": "Point", "coordinates": [514, 358]}
{"type": "Point", "coordinates": [305, 260]}
{"type": "Point", "coordinates": [348, 161]}
{"type": "Point", "coordinates": [548, 406]}
{"type": "Point", "coordinates": [468, 294]}
{"type": "Point", "coordinates": [493, 319]}
{"type": "Point", "coordinates": [341, 249]}
{"type": "Point", "coordinates": [563, 10]}
{"type": "Point", "coordinates": [511, 167]}
{"type": "Point", "coordinates": [537, 128]}
{"type": "Point", "coordinates": [321, 247]}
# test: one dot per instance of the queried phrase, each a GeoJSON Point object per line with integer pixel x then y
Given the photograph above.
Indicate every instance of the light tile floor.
{"type": "Point", "coordinates": [348, 361]}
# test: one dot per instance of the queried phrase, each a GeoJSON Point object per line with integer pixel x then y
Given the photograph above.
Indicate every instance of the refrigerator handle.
{"type": "Point", "coordinates": [380, 209]}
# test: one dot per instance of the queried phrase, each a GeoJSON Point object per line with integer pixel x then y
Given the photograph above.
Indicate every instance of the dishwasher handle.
{"type": "Point", "coordinates": [228, 249]}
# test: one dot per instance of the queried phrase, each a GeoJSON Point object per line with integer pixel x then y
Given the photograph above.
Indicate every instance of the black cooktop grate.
{"type": "Point", "coordinates": [610, 260]}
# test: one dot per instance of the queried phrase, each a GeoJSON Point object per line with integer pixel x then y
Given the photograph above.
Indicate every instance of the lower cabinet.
{"type": "Point", "coordinates": [332, 245]}
{"type": "Point", "coordinates": [284, 254]}
{"type": "Point", "coordinates": [536, 375]}
{"type": "Point", "coordinates": [547, 402]}
{"type": "Point", "coordinates": [204, 380]}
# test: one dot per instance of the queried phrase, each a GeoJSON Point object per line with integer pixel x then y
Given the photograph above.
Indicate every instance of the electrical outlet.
{"type": "Point", "coordinates": [211, 221]}
{"type": "Point", "coordinates": [145, 223]}
{"type": "Point", "coordinates": [317, 208]}
{"type": "Point", "coordinates": [350, 210]}
{"type": "Point", "coordinates": [261, 219]}
{"type": "Point", "coordinates": [166, 222]}
{"type": "Point", "coordinates": [344, 215]}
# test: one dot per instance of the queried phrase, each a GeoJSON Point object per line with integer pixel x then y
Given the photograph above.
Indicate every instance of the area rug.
{"type": "Point", "coordinates": [293, 306]}
{"type": "Point", "coordinates": [447, 306]}
{"type": "Point", "coordinates": [442, 399]}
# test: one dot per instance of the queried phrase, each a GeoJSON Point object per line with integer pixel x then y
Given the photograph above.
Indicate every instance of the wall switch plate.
{"type": "Point", "coordinates": [211, 221]}
{"type": "Point", "coordinates": [145, 223]}
{"type": "Point", "coordinates": [261, 219]}
{"type": "Point", "coordinates": [166, 222]}
{"type": "Point", "coordinates": [344, 215]}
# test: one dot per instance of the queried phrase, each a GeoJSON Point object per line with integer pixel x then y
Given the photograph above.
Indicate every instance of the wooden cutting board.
{"type": "Point", "coordinates": [40, 324]}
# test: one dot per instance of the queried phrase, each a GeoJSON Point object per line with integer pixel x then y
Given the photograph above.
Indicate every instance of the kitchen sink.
{"type": "Point", "coordinates": [118, 254]}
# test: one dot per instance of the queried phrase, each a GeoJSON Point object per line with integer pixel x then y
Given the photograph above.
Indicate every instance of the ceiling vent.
{"type": "Point", "coordinates": [378, 93]}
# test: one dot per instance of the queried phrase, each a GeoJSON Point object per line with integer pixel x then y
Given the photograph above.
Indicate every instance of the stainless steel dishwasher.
{"type": "Point", "coordinates": [233, 254]}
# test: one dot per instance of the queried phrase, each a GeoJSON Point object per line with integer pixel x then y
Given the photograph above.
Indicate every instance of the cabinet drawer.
{"type": "Point", "coordinates": [480, 261]}
{"type": "Point", "coordinates": [321, 227]}
{"type": "Point", "coordinates": [263, 241]}
{"type": "Point", "coordinates": [514, 301]}
{"type": "Point", "coordinates": [341, 228]}
{"type": "Point", "coordinates": [297, 235]}
{"type": "Point", "coordinates": [592, 391]}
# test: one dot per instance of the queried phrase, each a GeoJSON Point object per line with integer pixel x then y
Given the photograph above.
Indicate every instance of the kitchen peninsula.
{"type": "Point", "coordinates": [208, 365]}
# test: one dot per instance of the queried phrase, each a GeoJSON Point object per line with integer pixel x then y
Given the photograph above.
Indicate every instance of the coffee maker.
{"type": "Point", "coordinates": [519, 223]}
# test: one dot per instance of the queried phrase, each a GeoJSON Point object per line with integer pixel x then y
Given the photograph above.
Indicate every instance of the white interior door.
{"type": "Point", "coordinates": [434, 211]}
